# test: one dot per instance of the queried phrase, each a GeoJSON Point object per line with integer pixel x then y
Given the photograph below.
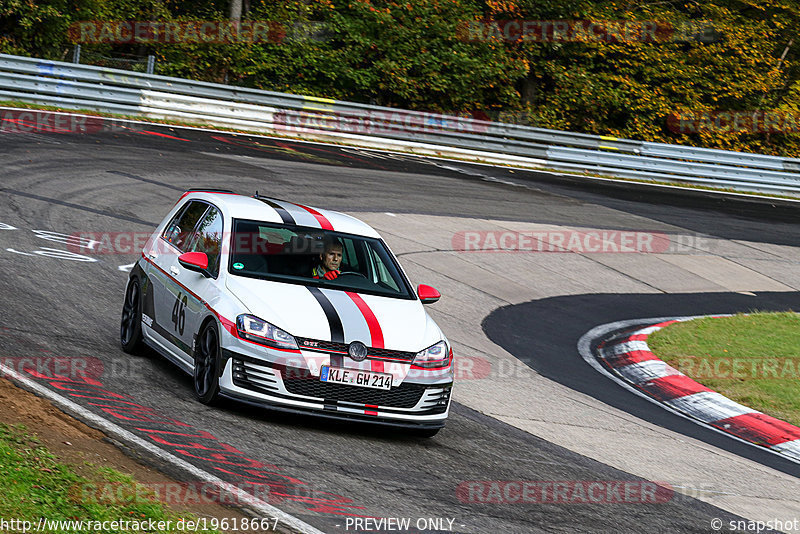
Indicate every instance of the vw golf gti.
{"type": "Point", "coordinates": [288, 307]}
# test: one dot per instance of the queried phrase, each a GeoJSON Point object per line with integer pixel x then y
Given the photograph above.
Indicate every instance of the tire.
{"type": "Point", "coordinates": [426, 432]}
{"type": "Point", "coordinates": [130, 329]}
{"type": "Point", "coordinates": [207, 365]}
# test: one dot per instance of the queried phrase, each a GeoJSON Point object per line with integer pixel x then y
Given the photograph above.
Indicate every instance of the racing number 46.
{"type": "Point", "coordinates": [179, 313]}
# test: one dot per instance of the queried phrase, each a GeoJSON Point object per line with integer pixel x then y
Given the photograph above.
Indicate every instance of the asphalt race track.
{"type": "Point", "coordinates": [56, 302]}
{"type": "Point", "coordinates": [555, 320]}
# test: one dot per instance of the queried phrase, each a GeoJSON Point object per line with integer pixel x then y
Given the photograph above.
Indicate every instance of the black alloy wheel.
{"type": "Point", "coordinates": [130, 331]}
{"type": "Point", "coordinates": [207, 365]}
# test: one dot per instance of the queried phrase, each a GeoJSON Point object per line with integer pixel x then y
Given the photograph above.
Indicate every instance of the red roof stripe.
{"type": "Point", "coordinates": [324, 223]}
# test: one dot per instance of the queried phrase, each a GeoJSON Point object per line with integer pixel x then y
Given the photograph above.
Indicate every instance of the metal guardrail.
{"type": "Point", "coordinates": [123, 92]}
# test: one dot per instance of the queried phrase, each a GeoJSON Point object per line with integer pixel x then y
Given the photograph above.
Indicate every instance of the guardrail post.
{"type": "Point", "coordinates": [151, 64]}
{"type": "Point", "coordinates": [76, 54]}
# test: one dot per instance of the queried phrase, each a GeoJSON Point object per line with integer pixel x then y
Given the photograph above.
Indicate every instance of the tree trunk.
{"type": "Point", "coordinates": [530, 88]}
{"type": "Point", "coordinates": [236, 10]}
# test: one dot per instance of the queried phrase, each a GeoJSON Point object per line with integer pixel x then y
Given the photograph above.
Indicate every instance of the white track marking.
{"type": "Point", "coordinates": [261, 508]}
{"type": "Point", "coordinates": [55, 254]}
{"type": "Point", "coordinates": [18, 252]}
{"type": "Point", "coordinates": [63, 255]}
{"type": "Point", "coordinates": [66, 239]}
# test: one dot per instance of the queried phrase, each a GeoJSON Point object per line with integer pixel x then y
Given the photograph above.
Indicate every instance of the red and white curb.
{"type": "Point", "coordinates": [628, 361]}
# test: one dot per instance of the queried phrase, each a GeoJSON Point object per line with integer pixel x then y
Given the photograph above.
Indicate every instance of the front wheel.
{"type": "Point", "coordinates": [425, 432]}
{"type": "Point", "coordinates": [206, 365]}
{"type": "Point", "coordinates": [130, 331]}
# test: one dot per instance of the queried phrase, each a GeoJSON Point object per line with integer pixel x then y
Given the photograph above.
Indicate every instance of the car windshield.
{"type": "Point", "coordinates": [292, 254]}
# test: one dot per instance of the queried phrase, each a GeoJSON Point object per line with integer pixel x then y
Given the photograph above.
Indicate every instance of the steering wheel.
{"type": "Point", "coordinates": [353, 273]}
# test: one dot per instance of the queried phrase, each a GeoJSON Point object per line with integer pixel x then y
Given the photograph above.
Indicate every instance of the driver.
{"type": "Point", "coordinates": [330, 260]}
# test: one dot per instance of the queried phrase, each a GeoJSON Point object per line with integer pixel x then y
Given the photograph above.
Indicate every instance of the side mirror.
{"type": "Point", "coordinates": [427, 294]}
{"type": "Point", "coordinates": [195, 261]}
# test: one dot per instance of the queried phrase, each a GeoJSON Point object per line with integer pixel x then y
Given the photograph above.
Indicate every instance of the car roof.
{"type": "Point", "coordinates": [275, 210]}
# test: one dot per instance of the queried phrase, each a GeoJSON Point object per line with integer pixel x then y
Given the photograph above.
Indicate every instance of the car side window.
{"type": "Point", "coordinates": [180, 230]}
{"type": "Point", "coordinates": [350, 259]}
{"type": "Point", "coordinates": [384, 277]}
{"type": "Point", "coordinates": [208, 239]}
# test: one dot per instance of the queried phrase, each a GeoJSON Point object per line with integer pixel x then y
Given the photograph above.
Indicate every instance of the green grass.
{"type": "Point", "coordinates": [33, 484]}
{"type": "Point", "coordinates": [753, 359]}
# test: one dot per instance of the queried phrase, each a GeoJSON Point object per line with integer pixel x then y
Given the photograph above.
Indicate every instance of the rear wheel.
{"type": "Point", "coordinates": [206, 365]}
{"type": "Point", "coordinates": [130, 330]}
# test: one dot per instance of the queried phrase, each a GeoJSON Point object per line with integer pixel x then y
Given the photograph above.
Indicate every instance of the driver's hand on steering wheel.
{"type": "Point", "coordinates": [331, 275]}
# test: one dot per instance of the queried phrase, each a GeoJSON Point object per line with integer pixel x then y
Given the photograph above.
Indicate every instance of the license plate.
{"type": "Point", "coordinates": [354, 377]}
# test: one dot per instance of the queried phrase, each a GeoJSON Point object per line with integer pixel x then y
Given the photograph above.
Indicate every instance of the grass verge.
{"type": "Point", "coordinates": [753, 359]}
{"type": "Point", "coordinates": [35, 485]}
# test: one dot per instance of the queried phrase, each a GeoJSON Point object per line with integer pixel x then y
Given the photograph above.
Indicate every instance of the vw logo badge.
{"type": "Point", "coordinates": [357, 351]}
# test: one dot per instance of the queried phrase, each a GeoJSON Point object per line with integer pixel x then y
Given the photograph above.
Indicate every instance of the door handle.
{"type": "Point", "coordinates": [174, 270]}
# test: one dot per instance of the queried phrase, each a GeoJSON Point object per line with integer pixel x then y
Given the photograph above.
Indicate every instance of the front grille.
{"type": "Point", "coordinates": [403, 396]}
{"type": "Point", "coordinates": [341, 348]}
{"type": "Point", "coordinates": [263, 378]}
{"type": "Point", "coordinates": [391, 354]}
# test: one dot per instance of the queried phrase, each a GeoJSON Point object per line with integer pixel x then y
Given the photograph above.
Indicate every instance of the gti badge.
{"type": "Point", "coordinates": [357, 351]}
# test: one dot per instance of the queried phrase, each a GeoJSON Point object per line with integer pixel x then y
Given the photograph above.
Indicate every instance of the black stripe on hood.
{"type": "Point", "coordinates": [335, 322]}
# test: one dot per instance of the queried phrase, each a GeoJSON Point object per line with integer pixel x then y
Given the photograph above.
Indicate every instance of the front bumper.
{"type": "Point", "coordinates": [278, 386]}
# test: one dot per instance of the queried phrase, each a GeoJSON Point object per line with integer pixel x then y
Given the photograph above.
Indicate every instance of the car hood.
{"type": "Point", "coordinates": [334, 315]}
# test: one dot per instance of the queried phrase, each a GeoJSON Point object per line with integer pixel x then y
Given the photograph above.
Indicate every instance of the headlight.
{"type": "Point", "coordinates": [437, 355]}
{"type": "Point", "coordinates": [258, 331]}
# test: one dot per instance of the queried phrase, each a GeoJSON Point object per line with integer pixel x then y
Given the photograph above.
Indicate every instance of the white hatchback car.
{"type": "Point", "coordinates": [226, 290]}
